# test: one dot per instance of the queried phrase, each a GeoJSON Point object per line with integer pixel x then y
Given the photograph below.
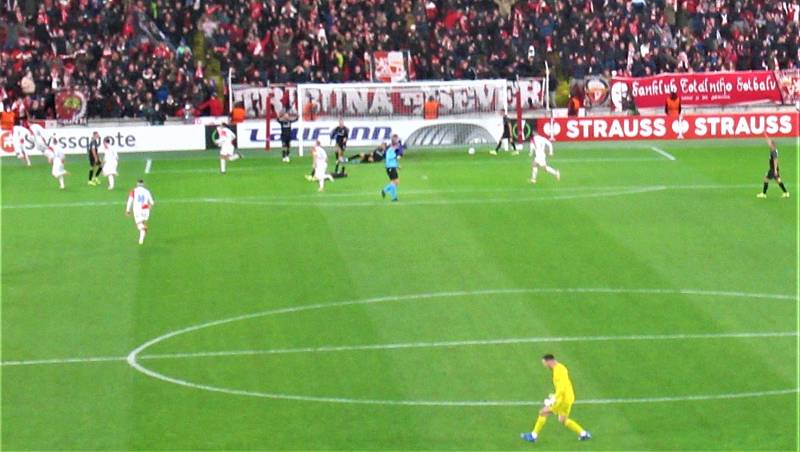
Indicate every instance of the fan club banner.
{"type": "Point", "coordinates": [621, 128]}
{"type": "Point", "coordinates": [718, 88]}
{"type": "Point", "coordinates": [789, 83]}
{"type": "Point", "coordinates": [70, 106]}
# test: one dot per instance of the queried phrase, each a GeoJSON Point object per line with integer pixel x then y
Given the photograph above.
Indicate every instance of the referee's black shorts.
{"type": "Point", "coordinates": [93, 161]}
{"type": "Point", "coordinates": [772, 175]}
{"type": "Point", "coordinates": [392, 173]}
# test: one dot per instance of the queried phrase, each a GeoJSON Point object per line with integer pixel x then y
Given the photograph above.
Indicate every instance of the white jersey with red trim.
{"type": "Point", "coordinates": [225, 139]}
{"type": "Point", "coordinates": [139, 199]}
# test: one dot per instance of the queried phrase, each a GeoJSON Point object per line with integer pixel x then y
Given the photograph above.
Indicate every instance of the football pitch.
{"type": "Point", "coordinates": [260, 314]}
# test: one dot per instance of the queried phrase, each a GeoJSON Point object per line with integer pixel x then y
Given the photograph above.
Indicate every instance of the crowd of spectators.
{"type": "Point", "coordinates": [150, 58]}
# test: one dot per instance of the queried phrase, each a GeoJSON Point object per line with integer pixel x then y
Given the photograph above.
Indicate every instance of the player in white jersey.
{"type": "Point", "coordinates": [40, 142]}
{"type": "Point", "coordinates": [320, 165]}
{"type": "Point", "coordinates": [110, 161]}
{"type": "Point", "coordinates": [227, 151]}
{"type": "Point", "coordinates": [541, 147]}
{"type": "Point", "coordinates": [57, 169]}
{"type": "Point", "coordinates": [140, 201]}
{"type": "Point", "coordinates": [18, 135]}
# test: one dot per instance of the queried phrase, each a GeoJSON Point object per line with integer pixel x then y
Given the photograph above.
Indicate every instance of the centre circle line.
{"type": "Point", "coordinates": [133, 358]}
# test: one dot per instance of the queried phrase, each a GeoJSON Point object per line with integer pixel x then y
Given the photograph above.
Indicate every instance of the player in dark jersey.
{"type": "Point", "coordinates": [507, 135]}
{"type": "Point", "coordinates": [95, 164]}
{"type": "Point", "coordinates": [376, 155]}
{"type": "Point", "coordinates": [774, 172]}
{"type": "Point", "coordinates": [339, 135]}
{"type": "Point", "coordinates": [285, 122]}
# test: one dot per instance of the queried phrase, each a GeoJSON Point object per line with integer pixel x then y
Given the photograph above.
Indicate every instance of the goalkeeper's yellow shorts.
{"type": "Point", "coordinates": [562, 408]}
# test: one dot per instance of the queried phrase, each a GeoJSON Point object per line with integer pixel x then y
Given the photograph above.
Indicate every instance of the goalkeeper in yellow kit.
{"type": "Point", "coordinates": [559, 404]}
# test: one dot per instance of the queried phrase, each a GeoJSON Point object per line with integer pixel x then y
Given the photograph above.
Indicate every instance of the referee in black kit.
{"type": "Point", "coordinates": [95, 165]}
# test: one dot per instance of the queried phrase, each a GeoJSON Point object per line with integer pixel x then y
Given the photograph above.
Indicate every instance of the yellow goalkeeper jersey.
{"type": "Point", "coordinates": [562, 384]}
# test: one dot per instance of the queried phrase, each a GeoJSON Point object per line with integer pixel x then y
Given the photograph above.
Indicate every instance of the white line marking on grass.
{"type": "Point", "coordinates": [663, 152]}
{"type": "Point", "coordinates": [315, 199]}
{"type": "Point", "coordinates": [40, 362]}
{"type": "Point", "coordinates": [467, 343]}
{"type": "Point", "coordinates": [136, 354]}
{"type": "Point", "coordinates": [148, 164]}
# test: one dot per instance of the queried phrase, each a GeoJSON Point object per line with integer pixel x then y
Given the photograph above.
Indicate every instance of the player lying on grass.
{"type": "Point", "coordinates": [227, 151]}
{"type": "Point", "coordinates": [376, 155]}
{"type": "Point", "coordinates": [559, 404]}
{"type": "Point", "coordinates": [320, 158]}
{"type": "Point", "coordinates": [774, 171]}
{"type": "Point", "coordinates": [140, 201]}
{"type": "Point", "coordinates": [538, 145]}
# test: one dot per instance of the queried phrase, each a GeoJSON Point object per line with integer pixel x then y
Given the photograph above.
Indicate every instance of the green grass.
{"type": "Point", "coordinates": [75, 284]}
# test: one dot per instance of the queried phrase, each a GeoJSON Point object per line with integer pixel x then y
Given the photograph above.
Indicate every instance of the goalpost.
{"type": "Point", "coordinates": [429, 114]}
{"type": "Point", "coordinates": [457, 112]}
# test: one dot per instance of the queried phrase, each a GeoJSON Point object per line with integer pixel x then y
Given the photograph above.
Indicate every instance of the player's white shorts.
{"type": "Point", "coordinates": [58, 169]}
{"type": "Point", "coordinates": [46, 151]}
{"type": "Point", "coordinates": [320, 171]}
{"type": "Point", "coordinates": [226, 150]}
{"type": "Point", "coordinates": [141, 215]}
{"type": "Point", "coordinates": [110, 167]}
{"type": "Point", "coordinates": [540, 161]}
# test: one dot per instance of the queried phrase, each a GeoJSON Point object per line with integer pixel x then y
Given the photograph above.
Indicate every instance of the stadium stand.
{"type": "Point", "coordinates": [150, 58]}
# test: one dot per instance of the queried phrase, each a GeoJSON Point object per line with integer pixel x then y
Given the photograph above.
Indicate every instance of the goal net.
{"type": "Point", "coordinates": [429, 114]}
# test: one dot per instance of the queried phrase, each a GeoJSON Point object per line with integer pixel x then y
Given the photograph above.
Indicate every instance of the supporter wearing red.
{"type": "Point", "coordinates": [117, 52]}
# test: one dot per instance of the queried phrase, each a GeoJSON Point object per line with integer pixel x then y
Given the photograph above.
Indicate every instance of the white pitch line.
{"type": "Point", "coordinates": [135, 355]}
{"type": "Point", "coordinates": [406, 345]}
{"type": "Point", "coordinates": [663, 153]}
{"type": "Point", "coordinates": [467, 343]}
{"type": "Point", "coordinates": [314, 200]}
{"type": "Point", "coordinates": [148, 164]}
{"type": "Point", "coordinates": [40, 362]}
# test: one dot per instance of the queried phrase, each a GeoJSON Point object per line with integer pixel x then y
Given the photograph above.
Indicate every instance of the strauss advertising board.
{"type": "Point", "coordinates": [621, 128]}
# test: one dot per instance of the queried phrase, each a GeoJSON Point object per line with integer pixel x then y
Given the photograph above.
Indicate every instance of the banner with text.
{"type": "Point", "coordinates": [392, 100]}
{"type": "Point", "coordinates": [74, 140]}
{"type": "Point", "coordinates": [621, 128]}
{"type": "Point", "coordinates": [414, 132]}
{"type": "Point", "coordinates": [789, 83]}
{"type": "Point", "coordinates": [711, 88]}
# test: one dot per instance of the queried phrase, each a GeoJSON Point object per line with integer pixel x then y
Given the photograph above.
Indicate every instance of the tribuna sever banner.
{"type": "Point", "coordinates": [621, 128]}
{"type": "Point", "coordinates": [397, 101]}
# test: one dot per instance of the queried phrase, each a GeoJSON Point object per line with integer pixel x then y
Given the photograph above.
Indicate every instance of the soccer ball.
{"type": "Point", "coordinates": [550, 400]}
{"type": "Point", "coordinates": [471, 151]}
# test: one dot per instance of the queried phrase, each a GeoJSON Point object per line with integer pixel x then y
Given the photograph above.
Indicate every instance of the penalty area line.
{"type": "Point", "coordinates": [663, 153]}
{"type": "Point", "coordinates": [148, 165]}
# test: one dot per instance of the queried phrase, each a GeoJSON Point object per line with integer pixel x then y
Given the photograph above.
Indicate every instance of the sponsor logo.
{"type": "Point", "coordinates": [375, 134]}
{"type": "Point", "coordinates": [7, 142]}
{"type": "Point", "coordinates": [70, 143]}
{"type": "Point", "coordinates": [661, 127]}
